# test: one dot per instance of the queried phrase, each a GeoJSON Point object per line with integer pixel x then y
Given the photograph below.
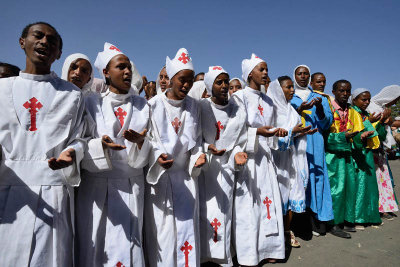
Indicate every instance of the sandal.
{"type": "Point", "coordinates": [293, 242]}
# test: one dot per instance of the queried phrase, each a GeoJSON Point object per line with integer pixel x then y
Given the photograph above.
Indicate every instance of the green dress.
{"type": "Point", "coordinates": [366, 194]}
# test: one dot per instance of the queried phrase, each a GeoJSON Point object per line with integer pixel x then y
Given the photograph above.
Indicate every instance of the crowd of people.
{"type": "Point", "coordinates": [205, 169]}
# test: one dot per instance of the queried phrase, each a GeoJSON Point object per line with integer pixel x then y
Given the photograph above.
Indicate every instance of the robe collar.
{"type": "Point", "coordinates": [38, 77]}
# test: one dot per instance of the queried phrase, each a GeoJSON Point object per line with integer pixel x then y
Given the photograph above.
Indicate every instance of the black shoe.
{"type": "Point", "coordinates": [337, 231]}
{"type": "Point", "coordinates": [350, 228]}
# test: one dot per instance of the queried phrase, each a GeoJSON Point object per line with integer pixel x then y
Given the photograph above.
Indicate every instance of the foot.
{"type": "Point", "coordinates": [337, 231]}
{"type": "Point", "coordinates": [315, 233]}
{"type": "Point", "coordinates": [349, 228]}
{"type": "Point", "coordinates": [293, 242]}
{"type": "Point", "coordinates": [387, 216]}
{"type": "Point", "coordinates": [360, 227]}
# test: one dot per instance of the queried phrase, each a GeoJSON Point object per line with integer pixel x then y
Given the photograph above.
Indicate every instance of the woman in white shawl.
{"type": "Point", "coordinates": [162, 82]}
{"type": "Point", "coordinates": [78, 70]}
{"type": "Point", "coordinates": [235, 84]}
{"type": "Point", "coordinates": [290, 160]}
{"type": "Point", "coordinates": [379, 105]}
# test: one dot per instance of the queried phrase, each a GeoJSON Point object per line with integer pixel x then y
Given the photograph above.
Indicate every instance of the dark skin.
{"type": "Point", "coordinates": [318, 83]}
{"type": "Point", "coordinates": [234, 86]}
{"type": "Point", "coordinates": [42, 48]}
{"type": "Point", "coordinates": [6, 72]}
{"type": "Point", "coordinates": [150, 90]}
{"type": "Point", "coordinates": [267, 83]}
{"type": "Point", "coordinates": [164, 79]}
{"type": "Point", "coordinates": [79, 72]}
{"type": "Point", "coordinates": [199, 77]}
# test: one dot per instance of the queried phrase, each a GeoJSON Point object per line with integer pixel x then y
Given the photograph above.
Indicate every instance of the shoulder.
{"type": "Point", "coordinates": [139, 102]}
{"type": "Point", "coordinates": [5, 82]}
{"type": "Point", "coordinates": [153, 101]}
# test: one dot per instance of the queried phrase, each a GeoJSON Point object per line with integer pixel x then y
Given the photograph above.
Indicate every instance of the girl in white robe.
{"type": "Point", "coordinates": [110, 200]}
{"type": "Point", "coordinates": [171, 200]}
{"type": "Point", "coordinates": [258, 224]}
{"type": "Point", "coordinates": [224, 137]}
{"type": "Point", "coordinates": [162, 82]}
{"type": "Point", "coordinates": [78, 78]}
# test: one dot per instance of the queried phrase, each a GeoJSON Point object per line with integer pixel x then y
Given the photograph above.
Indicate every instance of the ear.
{"type": "Point", "coordinates": [22, 42]}
{"type": "Point", "coordinates": [105, 72]}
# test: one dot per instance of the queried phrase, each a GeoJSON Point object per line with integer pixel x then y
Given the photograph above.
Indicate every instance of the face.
{"type": "Point", "coordinates": [6, 72]}
{"type": "Point", "coordinates": [199, 77]}
{"type": "Point", "coordinates": [260, 74]}
{"type": "Point", "coordinates": [164, 80]}
{"type": "Point", "coordinates": [41, 46]}
{"type": "Point", "coordinates": [220, 88]}
{"type": "Point", "coordinates": [234, 86]}
{"type": "Point", "coordinates": [319, 82]}
{"type": "Point", "coordinates": [79, 72]}
{"type": "Point", "coordinates": [342, 93]}
{"type": "Point", "coordinates": [181, 83]}
{"type": "Point", "coordinates": [288, 89]}
{"type": "Point", "coordinates": [362, 100]}
{"type": "Point", "coordinates": [302, 76]}
{"type": "Point", "coordinates": [119, 73]}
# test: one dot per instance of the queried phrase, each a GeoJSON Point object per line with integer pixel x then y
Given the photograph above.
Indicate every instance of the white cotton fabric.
{"type": "Point", "coordinates": [291, 159]}
{"type": "Point", "coordinates": [104, 57]}
{"type": "Point", "coordinates": [181, 61]}
{"type": "Point", "coordinates": [356, 93]}
{"type": "Point", "coordinates": [248, 65]}
{"type": "Point", "coordinates": [302, 92]}
{"type": "Point", "coordinates": [211, 75]}
{"type": "Point", "coordinates": [240, 81]}
{"type": "Point", "coordinates": [67, 63]}
{"type": "Point", "coordinates": [197, 90]}
{"type": "Point", "coordinates": [137, 80]}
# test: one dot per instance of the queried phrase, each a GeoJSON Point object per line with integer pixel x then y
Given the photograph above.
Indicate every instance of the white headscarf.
{"type": "Point", "coordinates": [137, 80]}
{"type": "Point", "coordinates": [105, 56]}
{"type": "Point", "coordinates": [248, 65]}
{"type": "Point", "coordinates": [197, 90]}
{"type": "Point", "coordinates": [302, 92]}
{"type": "Point", "coordinates": [240, 80]}
{"type": "Point", "coordinates": [385, 96]}
{"type": "Point", "coordinates": [211, 75]}
{"type": "Point", "coordinates": [356, 93]}
{"type": "Point", "coordinates": [67, 63]}
{"type": "Point", "coordinates": [181, 61]}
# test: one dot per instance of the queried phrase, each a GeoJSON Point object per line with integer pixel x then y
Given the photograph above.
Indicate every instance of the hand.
{"type": "Point", "coordinates": [135, 137]}
{"type": "Point", "coordinates": [385, 115]}
{"type": "Point", "coordinates": [313, 131]}
{"type": "Point", "coordinates": [299, 129]}
{"type": "Point", "coordinates": [350, 135]}
{"type": "Point", "coordinates": [240, 158]}
{"type": "Point", "coordinates": [365, 135]}
{"type": "Point", "coordinates": [305, 105]}
{"type": "Point", "coordinates": [374, 117]}
{"type": "Point", "coordinates": [317, 101]}
{"type": "Point", "coordinates": [215, 151]}
{"type": "Point", "coordinates": [107, 142]}
{"type": "Point", "coordinates": [265, 131]}
{"type": "Point", "coordinates": [200, 161]}
{"type": "Point", "coordinates": [281, 132]}
{"type": "Point", "coordinates": [65, 159]}
{"type": "Point", "coordinates": [164, 161]}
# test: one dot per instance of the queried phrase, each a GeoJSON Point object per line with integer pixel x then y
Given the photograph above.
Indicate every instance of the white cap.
{"type": "Point", "coordinates": [249, 64]}
{"type": "Point", "coordinates": [104, 57]}
{"type": "Point", "coordinates": [211, 75]}
{"type": "Point", "coordinates": [181, 61]}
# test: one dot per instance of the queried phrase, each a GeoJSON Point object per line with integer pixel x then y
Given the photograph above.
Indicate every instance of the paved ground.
{"type": "Point", "coordinates": [372, 247]}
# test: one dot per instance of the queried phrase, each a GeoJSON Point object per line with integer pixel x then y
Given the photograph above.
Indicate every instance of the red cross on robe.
{"type": "Point", "coordinates": [184, 58]}
{"type": "Point", "coordinates": [186, 248]}
{"type": "Point", "coordinates": [219, 127]}
{"type": "Point", "coordinates": [261, 109]}
{"type": "Point", "coordinates": [215, 224]}
{"type": "Point", "coordinates": [33, 105]}
{"type": "Point", "coordinates": [176, 123]}
{"type": "Point", "coordinates": [119, 264]}
{"type": "Point", "coordinates": [267, 202]}
{"type": "Point", "coordinates": [120, 114]}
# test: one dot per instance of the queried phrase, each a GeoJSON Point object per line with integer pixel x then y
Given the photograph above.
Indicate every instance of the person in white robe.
{"type": "Point", "coordinates": [78, 70]}
{"type": "Point", "coordinates": [171, 199]}
{"type": "Point", "coordinates": [290, 159]}
{"type": "Point", "coordinates": [110, 200]}
{"type": "Point", "coordinates": [235, 84]}
{"type": "Point", "coordinates": [258, 224]}
{"type": "Point", "coordinates": [224, 130]}
{"type": "Point", "coordinates": [41, 148]}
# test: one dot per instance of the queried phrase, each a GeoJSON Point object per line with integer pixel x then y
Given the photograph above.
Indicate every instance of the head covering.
{"type": "Point", "coordinates": [197, 90]}
{"type": "Point", "coordinates": [356, 93]}
{"type": "Point", "coordinates": [248, 65]}
{"type": "Point", "coordinates": [302, 92]}
{"type": "Point", "coordinates": [240, 80]}
{"type": "Point", "coordinates": [104, 57]}
{"type": "Point", "coordinates": [67, 63]}
{"type": "Point", "coordinates": [385, 96]}
{"type": "Point", "coordinates": [158, 86]}
{"type": "Point", "coordinates": [211, 75]}
{"type": "Point", "coordinates": [181, 61]}
{"type": "Point", "coordinates": [137, 80]}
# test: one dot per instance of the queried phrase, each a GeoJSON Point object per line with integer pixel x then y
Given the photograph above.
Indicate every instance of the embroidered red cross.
{"type": "Point", "coordinates": [114, 48]}
{"type": "Point", "coordinates": [33, 105]}
{"type": "Point", "coordinates": [219, 127]}
{"type": "Point", "coordinates": [215, 224]}
{"type": "Point", "coordinates": [120, 113]}
{"type": "Point", "coordinates": [184, 58]}
{"type": "Point", "coordinates": [119, 264]}
{"type": "Point", "coordinates": [268, 203]}
{"type": "Point", "coordinates": [176, 123]}
{"type": "Point", "coordinates": [261, 109]}
{"type": "Point", "coordinates": [217, 68]}
{"type": "Point", "coordinates": [186, 248]}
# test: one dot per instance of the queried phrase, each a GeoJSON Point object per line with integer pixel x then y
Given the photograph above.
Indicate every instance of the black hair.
{"type": "Point", "coordinates": [283, 78]}
{"type": "Point", "coordinates": [316, 73]}
{"type": "Point", "coordinates": [25, 31]}
{"type": "Point", "coordinates": [200, 73]}
{"type": "Point", "coordinates": [14, 69]}
{"type": "Point", "coordinates": [336, 84]}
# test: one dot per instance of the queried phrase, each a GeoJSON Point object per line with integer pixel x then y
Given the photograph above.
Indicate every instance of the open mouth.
{"type": "Point", "coordinates": [76, 79]}
{"type": "Point", "coordinates": [128, 80]}
{"type": "Point", "coordinates": [42, 52]}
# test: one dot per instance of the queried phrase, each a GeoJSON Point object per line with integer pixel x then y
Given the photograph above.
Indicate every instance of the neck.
{"type": "Point", "coordinates": [34, 69]}
{"type": "Point", "coordinates": [342, 105]}
{"type": "Point", "coordinates": [117, 91]}
{"type": "Point", "coordinates": [170, 95]}
{"type": "Point", "coordinates": [218, 101]}
{"type": "Point", "coordinates": [254, 86]}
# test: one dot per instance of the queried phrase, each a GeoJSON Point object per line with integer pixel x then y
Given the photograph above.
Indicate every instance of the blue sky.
{"type": "Point", "coordinates": [354, 40]}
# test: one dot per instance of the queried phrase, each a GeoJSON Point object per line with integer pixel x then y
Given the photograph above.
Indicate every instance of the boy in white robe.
{"type": "Point", "coordinates": [110, 202]}
{"type": "Point", "coordinates": [171, 199]}
{"type": "Point", "coordinates": [258, 224]}
{"type": "Point", "coordinates": [224, 137]}
{"type": "Point", "coordinates": [41, 147]}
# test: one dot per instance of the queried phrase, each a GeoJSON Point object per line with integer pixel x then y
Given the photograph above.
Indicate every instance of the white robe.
{"type": "Point", "coordinates": [109, 203]}
{"type": "Point", "coordinates": [36, 203]}
{"type": "Point", "coordinates": [217, 182]}
{"type": "Point", "coordinates": [258, 234]}
{"type": "Point", "coordinates": [171, 198]}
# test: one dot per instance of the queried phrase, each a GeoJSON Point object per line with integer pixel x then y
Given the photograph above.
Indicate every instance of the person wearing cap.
{"type": "Point", "coordinates": [224, 137]}
{"type": "Point", "coordinates": [258, 224]}
{"type": "Point", "coordinates": [235, 84]}
{"type": "Point", "coordinates": [171, 198]}
{"type": "Point", "coordinates": [110, 199]}
{"type": "Point", "coordinates": [315, 111]}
